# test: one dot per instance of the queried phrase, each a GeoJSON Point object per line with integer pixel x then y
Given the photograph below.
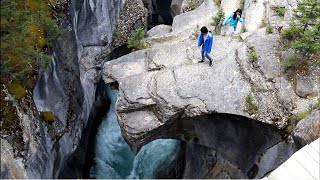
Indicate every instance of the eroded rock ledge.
{"type": "Point", "coordinates": [239, 108]}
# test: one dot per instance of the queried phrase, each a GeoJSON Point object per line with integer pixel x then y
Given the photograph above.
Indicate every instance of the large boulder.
{"type": "Point", "coordinates": [159, 30]}
{"type": "Point", "coordinates": [185, 23]}
{"type": "Point", "coordinates": [176, 7]}
{"type": "Point", "coordinates": [308, 129]}
{"type": "Point", "coordinates": [305, 85]}
{"type": "Point", "coordinates": [238, 108]}
{"type": "Point", "coordinates": [164, 84]}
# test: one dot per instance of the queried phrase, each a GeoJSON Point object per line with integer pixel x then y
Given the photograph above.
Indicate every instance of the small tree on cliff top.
{"type": "Point", "coordinates": [304, 32]}
{"type": "Point", "coordinates": [135, 40]}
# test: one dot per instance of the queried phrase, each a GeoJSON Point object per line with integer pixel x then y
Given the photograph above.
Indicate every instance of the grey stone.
{"type": "Point", "coordinates": [308, 129]}
{"type": "Point", "coordinates": [11, 167]}
{"type": "Point", "coordinates": [254, 13]}
{"type": "Point", "coordinates": [274, 157]}
{"type": "Point", "coordinates": [159, 56]}
{"type": "Point", "coordinates": [133, 17]}
{"type": "Point", "coordinates": [201, 16]}
{"type": "Point", "coordinates": [202, 162]}
{"type": "Point", "coordinates": [68, 90]}
{"type": "Point", "coordinates": [273, 17]}
{"type": "Point", "coordinates": [285, 93]}
{"type": "Point", "coordinates": [229, 6]}
{"type": "Point", "coordinates": [174, 85]}
{"type": "Point", "coordinates": [135, 98]}
{"type": "Point", "coordinates": [245, 35]}
{"type": "Point", "coordinates": [305, 85]}
{"type": "Point", "coordinates": [159, 30]}
{"type": "Point", "coordinates": [287, 55]}
{"type": "Point", "coordinates": [222, 133]}
{"type": "Point", "coordinates": [176, 7]}
{"type": "Point", "coordinates": [263, 88]}
{"type": "Point", "coordinates": [186, 5]}
{"type": "Point", "coordinates": [266, 46]}
{"type": "Point", "coordinates": [133, 63]}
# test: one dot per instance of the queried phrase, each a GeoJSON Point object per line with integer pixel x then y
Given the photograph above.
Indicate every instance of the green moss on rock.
{"type": "Point", "coordinates": [251, 106]}
{"type": "Point", "coordinates": [47, 116]}
{"type": "Point", "coordinates": [17, 90]}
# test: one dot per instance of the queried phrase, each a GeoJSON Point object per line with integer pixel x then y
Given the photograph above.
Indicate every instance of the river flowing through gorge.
{"type": "Point", "coordinates": [114, 158]}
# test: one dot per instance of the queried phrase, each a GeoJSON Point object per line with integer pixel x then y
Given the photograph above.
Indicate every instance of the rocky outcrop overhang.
{"type": "Point", "coordinates": [239, 107]}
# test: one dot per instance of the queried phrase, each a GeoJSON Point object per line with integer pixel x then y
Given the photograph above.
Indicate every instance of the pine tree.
{"type": "Point", "coordinates": [304, 32]}
{"type": "Point", "coordinates": [27, 29]}
{"type": "Point", "coordinates": [135, 40]}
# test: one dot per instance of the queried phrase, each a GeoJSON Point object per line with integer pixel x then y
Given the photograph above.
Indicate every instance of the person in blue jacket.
{"type": "Point", "coordinates": [205, 40]}
{"type": "Point", "coordinates": [233, 19]}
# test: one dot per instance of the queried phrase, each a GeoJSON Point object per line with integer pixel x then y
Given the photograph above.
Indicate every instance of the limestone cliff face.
{"type": "Point", "coordinates": [96, 20]}
{"type": "Point", "coordinates": [238, 111]}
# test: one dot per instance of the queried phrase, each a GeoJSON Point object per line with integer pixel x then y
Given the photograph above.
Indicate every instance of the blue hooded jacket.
{"type": "Point", "coordinates": [233, 22]}
{"type": "Point", "coordinates": [207, 45]}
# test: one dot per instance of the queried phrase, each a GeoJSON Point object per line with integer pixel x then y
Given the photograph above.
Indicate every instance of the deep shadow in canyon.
{"type": "Point", "coordinates": [159, 12]}
{"type": "Point", "coordinates": [80, 163]}
{"type": "Point", "coordinates": [253, 147]}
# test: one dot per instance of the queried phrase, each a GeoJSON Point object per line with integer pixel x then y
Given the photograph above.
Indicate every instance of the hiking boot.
{"type": "Point", "coordinates": [211, 63]}
{"type": "Point", "coordinates": [201, 61]}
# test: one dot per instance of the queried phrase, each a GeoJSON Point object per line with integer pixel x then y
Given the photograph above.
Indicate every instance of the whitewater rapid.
{"type": "Point", "coordinates": [114, 158]}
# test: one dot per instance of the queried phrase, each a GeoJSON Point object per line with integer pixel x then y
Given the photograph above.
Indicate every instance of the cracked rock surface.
{"type": "Point", "coordinates": [160, 84]}
{"type": "Point", "coordinates": [165, 93]}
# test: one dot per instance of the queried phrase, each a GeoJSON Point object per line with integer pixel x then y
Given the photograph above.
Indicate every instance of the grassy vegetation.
{"type": "Point", "coordinates": [290, 63]}
{"type": "Point", "coordinates": [196, 32]}
{"type": "Point", "coordinates": [115, 35]}
{"type": "Point", "coordinates": [280, 11]}
{"type": "Point", "coordinates": [243, 28]}
{"type": "Point", "coordinates": [47, 117]}
{"type": "Point", "coordinates": [193, 4]}
{"type": "Point", "coordinates": [241, 4]}
{"type": "Point", "coordinates": [253, 55]}
{"type": "Point", "coordinates": [135, 40]}
{"type": "Point", "coordinates": [293, 119]}
{"type": "Point", "coordinates": [269, 29]}
{"type": "Point", "coordinates": [217, 21]}
{"type": "Point", "coordinates": [263, 22]}
{"type": "Point", "coordinates": [17, 90]}
{"type": "Point", "coordinates": [217, 2]}
{"type": "Point", "coordinates": [251, 106]}
{"type": "Point", "coordinates": [28, 29]}
{"type": "Point", "coordinates": [163, 40]}
{"type": "Point", "coordinates": [303, 34]}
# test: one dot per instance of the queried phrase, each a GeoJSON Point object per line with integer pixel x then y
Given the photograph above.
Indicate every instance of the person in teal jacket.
{"type": "Point", "coordinates": [233, 19]}
{"type": "Point", "coordinates": [205, 40]}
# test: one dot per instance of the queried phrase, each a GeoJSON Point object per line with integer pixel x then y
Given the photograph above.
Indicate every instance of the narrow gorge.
{"type": "Point", "coordinates": [121, 113]}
